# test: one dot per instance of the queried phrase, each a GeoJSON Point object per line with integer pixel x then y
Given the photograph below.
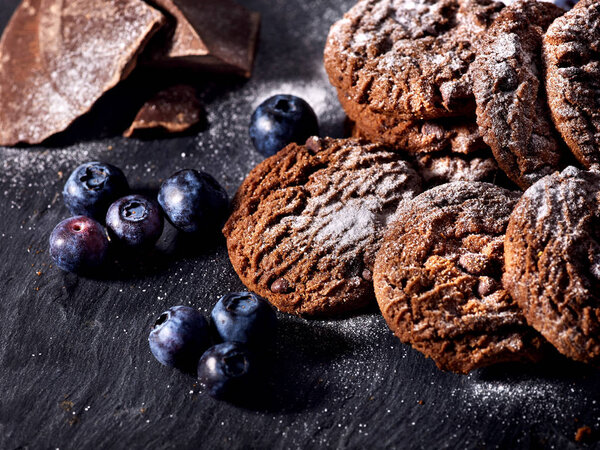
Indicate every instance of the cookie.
{"type": "Point", "coordinates": [456, 134]}
{"type": "Point", "coordinates": [438, 279]}
{"type": "Point", "coordinates": [408, 58]}
{"type": "Point", "coordinates": [570, 50]}
{"type": "Point", "coordinates": [553, 261]}
{"type": "Point", "coordinates": [512, 110]}
{"type": "Point", "coordinates": [440, 168]}
{"type": "Point", "coordinates": [307, 223]}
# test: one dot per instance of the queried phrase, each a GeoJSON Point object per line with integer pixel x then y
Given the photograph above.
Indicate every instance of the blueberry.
{"type": "Point", "coordinates": [92, 187]}
{"type": "Point", "coordinates": [565, 4]}
{"type": "Point", "coordinates": [78, 244]}
{"type": "Point", "coordinates": [244, 317]}
{"type": "Point", "coordinates": [227, 371]}
{"type": "Point", "coordinates": [135, 221]}
{"type": "Point", "coordinates": [193, 201]}
{"type": "Point", "coordinates": [281, 120]}
{"type": "Point", "coordinates": [179, 337]}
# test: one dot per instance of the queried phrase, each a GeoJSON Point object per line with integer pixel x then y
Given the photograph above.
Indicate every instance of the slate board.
{"type": "Point", "coordinates": [75, 367]}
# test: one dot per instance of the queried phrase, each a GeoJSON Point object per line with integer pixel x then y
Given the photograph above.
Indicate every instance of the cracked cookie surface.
{"type": "Point", "coordinates": [307, 223]}
{"type": "Point", "coordinates": [571, 50]}
{"type": "Point", "coordinates": [512, 110]}
{"type": "Point", "coordinates": [438, 279]}
{"type": "Point", "coordinates": [553, 261]}
{"type": "Point", "coordinates": [408, 58]}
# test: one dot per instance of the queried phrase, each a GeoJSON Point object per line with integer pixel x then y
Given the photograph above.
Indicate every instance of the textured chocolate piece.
{"type": "Point", "coordinates": [572, 79]}
{"type": "Point", "coordinates": [438, 279]}
{"type": "Point", "coordinates": [512, 109]}
{"type": "Point", "coordinates": [553, 261]}
{"type": "Point", "coordinates": [408, 58]}
{"type": "Point", "coordinates": [307, 223]}
{"type": "Point", "coordinates": [57, 58]}
{"type": "Point", "coordinates": [215, 35]}
{"type": "Point", "coordinates": [173, 110]}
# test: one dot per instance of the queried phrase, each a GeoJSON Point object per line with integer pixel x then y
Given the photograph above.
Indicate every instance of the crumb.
{"type": "Point", "coordinates": [39, 273]}
{"type": "Point", "coordinates": [142, 410]}
{"type": "Point", "coordinates": [66, 405]}
{"type": "Point", "coordinates": [60, 174]}
{"type": "Point", "coordinates": [583, 434]}
{"type": "Point", "coordinates": [421, 402]}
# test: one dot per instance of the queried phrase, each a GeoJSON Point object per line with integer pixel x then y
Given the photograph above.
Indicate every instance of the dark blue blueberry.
{"type": "Point", "coordinates": [92, 187]}
{"type": "Point", "coordinates": [193, 201]}
{"type": "Point", "coordinates": [244, 317]}
{"type": "Point", "coordinates": [78, 244]}
{"type": "Point", "coordinates": [565, 4]}
{"type": "Point", "coordinates": [134, 221]}
{"type": "Point", "coordinates": [179, 337]}
{"type": "Point", "coordinates": [281, 120]}
{"type": "Point", "coordinates": [227, 371]}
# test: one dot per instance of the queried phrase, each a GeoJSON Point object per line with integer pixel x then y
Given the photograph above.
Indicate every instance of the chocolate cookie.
{"type": "Point", "coordinates": [440, 167]}
{"type": "Point", "coordinates": [408, 58]}
{"type": "Point", "coordinates": [512, 111]}
{"type": "Point", "coordinates": [455, 134]}
{"type": "Point", "coordinates": [307, 223]}
{"type": "Point", "coordinates": [445, 167]}
{"type": "Point", "coordinates": [553, 261]}
{"type": "Point", "coordinates": [573, 79]}
{"type": "Point", "coordinates": [438, 279]}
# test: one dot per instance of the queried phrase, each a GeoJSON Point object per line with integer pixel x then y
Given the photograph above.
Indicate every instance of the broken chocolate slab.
{"type": "Point", "coordinates": [213, 35]}
{"type": "Point", "coordinates": [58, 57]}
{"type": "Point", "coordinates": [173, 110]}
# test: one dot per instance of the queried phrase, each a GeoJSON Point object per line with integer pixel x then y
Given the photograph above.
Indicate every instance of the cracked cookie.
{"type": "Point", "coordinates": [552, 256]}
{"type": "Point", "coordinates": [408, 58]}
{"type": "Point", "coordinates": [572, 59]}
{"type": "Point", "coordinates": [438, 279]}
{"type": "Point", "coordinates": [512, 110]}
{"type": "Point", "coordinates": [308, 221]}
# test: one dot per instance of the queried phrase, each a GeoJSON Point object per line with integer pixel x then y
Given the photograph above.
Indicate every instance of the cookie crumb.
{"type": "Point", "coordinates": [583, 434]}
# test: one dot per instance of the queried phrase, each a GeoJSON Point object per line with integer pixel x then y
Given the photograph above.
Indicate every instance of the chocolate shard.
{"type": "Point", "coordinates": [212, 35]}
{"type": "Point", "coordinates": [58, 57]}
{"type": "Point", "coordinates": [173, 110]}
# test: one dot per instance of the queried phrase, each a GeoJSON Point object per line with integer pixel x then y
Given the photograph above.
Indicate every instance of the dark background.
{"type": "Point", "coordinates": [75, 367]}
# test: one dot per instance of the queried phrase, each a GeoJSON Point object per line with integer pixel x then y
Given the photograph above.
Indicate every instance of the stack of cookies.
{"type": "Point", "coordinates": [458, 104]}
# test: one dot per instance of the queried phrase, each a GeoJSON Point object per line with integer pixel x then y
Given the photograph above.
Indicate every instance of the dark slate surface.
{"type": "Point", "coordinates": [75, 367]}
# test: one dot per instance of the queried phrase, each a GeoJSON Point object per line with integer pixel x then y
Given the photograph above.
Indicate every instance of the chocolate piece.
{"type": "Point", "coordinates": [173, 110]}
{"type": "Point", "coordinates": [215, 35]}
{"type": "Point", "coordinates": [57, 58]}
